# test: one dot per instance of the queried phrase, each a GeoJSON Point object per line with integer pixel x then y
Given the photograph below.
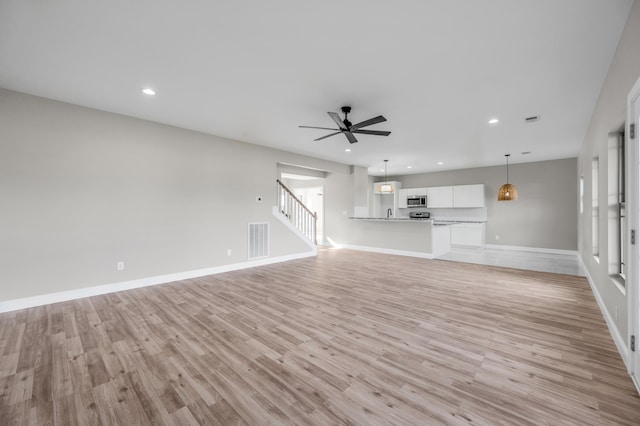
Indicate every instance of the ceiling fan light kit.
{"type": "Point", "coordinates": [348, 129]}
{"type": "Point", "coordinates": [507, 192]}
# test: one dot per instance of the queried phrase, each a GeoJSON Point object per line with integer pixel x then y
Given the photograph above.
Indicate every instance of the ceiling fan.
{"type": "Point", "coordinates": [345, 127]}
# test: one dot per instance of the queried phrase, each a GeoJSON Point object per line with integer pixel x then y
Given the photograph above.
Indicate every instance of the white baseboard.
{"type": "Point", "coordinates": [620, 342]}
{"type": "Point", "coordinates": [63, 296]}
{"type": "Point", "coordinates": [386, 251]}
{"type": "Point", "coordinates": [532, 249]}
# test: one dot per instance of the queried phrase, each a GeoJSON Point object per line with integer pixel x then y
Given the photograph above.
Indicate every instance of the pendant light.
{"type": "Point", "coordinates": [385, 187]}
{"type": "Point", "coordinates": [507, 191]}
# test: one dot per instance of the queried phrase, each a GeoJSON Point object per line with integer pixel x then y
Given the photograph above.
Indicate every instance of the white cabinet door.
{"type": "Point", "coordinates": [458, 235]}
{"type": "Point", "coordinates": [474, 236]}
{"type": "Point", "coordinates": [467, 234]}
{"type": "Point", "coordinates": [402, 198]}
{"type": "Point", "coordinates": [417, 192]}
{"type": "Point", "coordinates": [468, 196]}
{"type": "Point", "coordinates": [440, 196]}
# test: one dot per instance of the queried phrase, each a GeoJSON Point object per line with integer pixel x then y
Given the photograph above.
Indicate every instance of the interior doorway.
{"type": "Point", "coordinates": [308, 186]}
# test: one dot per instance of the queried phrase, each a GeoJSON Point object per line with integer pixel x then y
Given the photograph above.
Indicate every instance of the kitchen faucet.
{"type": "Point", "coordinates": [389, 213]}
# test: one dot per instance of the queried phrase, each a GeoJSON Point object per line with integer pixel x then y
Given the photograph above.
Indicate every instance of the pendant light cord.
{"type": "Point", "coordinates": [385, 171]}
{"type": "Point", "coordinates": [507, 155]}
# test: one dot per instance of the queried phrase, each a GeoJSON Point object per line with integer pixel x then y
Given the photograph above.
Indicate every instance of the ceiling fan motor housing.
{"type": "Point", "coordinates": [346, 110]}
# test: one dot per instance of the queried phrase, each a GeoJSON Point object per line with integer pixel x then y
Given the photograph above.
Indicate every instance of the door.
{"type": "Point", "coordinates": [633, 283]}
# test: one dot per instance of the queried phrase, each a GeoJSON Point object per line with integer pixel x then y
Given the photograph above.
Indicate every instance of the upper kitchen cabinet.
{"type": "Point", "coordinates": [416, 192]}
{"type": "Point", "coordinates": [402, 198]}
{"type": "Point", "coordinates": [468, 196]}
{"type": "Point", "coordinates": [440, 197]}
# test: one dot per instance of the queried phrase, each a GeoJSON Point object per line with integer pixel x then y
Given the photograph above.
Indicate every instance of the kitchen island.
{"type": "Point", "coordinates": [411, 237]}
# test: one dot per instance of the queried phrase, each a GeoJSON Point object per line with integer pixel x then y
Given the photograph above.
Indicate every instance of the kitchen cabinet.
{"type": "Point", "coordinates": [468, 196]}
{"type": "Point", "coordinates": [402, 198]}
{"type": "Point", "coordinates": [468, 234]}
{"type": "Point", "coordinates": [416, 192]}
{"type": "Point", "coordinates": [458, 235]}
{"type": "Point", "coordinates": [440, 197]}
{"type": "Point", "coordinates": [459, 196]}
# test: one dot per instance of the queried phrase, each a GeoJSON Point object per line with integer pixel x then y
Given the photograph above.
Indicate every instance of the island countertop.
{"type": "Point", "coordinates": [395, 219]}
{"type": "Point", "coordinates": [435, 221]}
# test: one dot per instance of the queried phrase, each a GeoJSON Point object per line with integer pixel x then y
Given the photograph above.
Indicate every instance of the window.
{"type": "Point", "coordinates": [595, 241]}
{"type": "Point", "coordinates": [616, 217]}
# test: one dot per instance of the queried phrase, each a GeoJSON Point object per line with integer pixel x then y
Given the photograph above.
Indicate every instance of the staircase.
{"type": "Point", "coordinates": [296, 213]}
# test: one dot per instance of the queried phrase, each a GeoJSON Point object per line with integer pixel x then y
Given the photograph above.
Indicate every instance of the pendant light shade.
{"type": "Point", "coordinates": [507, 191]}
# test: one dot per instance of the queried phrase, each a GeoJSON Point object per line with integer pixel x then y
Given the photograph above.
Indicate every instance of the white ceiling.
{"type": "Point", "coordinates": [254, 70]}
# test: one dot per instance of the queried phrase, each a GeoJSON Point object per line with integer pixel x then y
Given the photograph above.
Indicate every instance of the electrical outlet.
{"type": "Point", "coordinates": [258, 199]}
{"type": "Point", "coordinates": [120, 266]}
{"type": "Point", "coordinates": [228, 252]}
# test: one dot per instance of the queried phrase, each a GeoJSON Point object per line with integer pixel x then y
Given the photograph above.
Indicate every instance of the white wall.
{"type": "Point", "coordinates": [544, 216]}
{"type": "Point", "coordinates": [82, 189]}
{"type": "Point", "coordinates": [609, 115]}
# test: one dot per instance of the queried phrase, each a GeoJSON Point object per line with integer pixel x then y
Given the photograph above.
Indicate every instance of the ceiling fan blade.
{"type": "Point", "coordinates": [350, 137]}
{"type": "Point", "coordinates": [312, 127]}
{"type": "Point", "coordinates": [329, 135]}
{"type": "Point", "coordinates": [369, 122]}
{"type": "Point", "coordinates": [336, 118]}
{"type": "Point", "coordinates": [372, 132]}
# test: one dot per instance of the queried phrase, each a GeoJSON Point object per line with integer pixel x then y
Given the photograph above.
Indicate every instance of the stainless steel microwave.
{"type": "Point", "coordinates": [419, 201]}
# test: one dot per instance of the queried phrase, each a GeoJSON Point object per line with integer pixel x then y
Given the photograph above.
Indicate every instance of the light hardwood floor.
{"type": "Point", "coordinates": [345, 338]}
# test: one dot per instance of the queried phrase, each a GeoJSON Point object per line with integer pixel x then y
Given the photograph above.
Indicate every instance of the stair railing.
{"type": "Point", "coordinates": [296, 212]}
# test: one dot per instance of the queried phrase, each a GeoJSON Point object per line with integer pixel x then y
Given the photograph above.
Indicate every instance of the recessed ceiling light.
{"type": "Point", "coordinates": [148, 91]}
{"type": "Point", "coordinates": [408, 167]}
{"type": "Point", "coordinates": [493, 121]}
{"type": "Point", "coordinates": [347, 150]}
{"type": "Point", "coordinates": [440, 163]}
{"type": "Point", "coordinates": [382, 170]}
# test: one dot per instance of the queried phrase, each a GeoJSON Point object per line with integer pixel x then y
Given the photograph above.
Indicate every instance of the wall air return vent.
{"type": "Point", "coordinates": [258, 240]}
{"type": "Point", "coordinates": [532, 118]}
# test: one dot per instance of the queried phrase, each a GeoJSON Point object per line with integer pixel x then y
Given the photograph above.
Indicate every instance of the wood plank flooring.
{"type": "Point", "coordinates": [345, 338]}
